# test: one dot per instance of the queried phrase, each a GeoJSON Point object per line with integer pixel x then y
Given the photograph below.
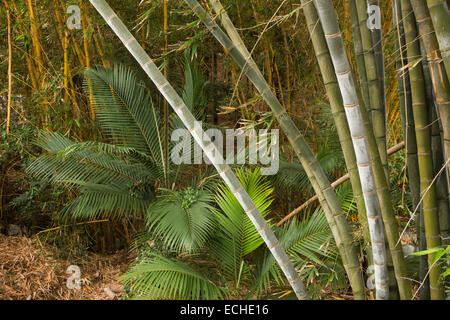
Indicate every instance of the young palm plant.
{"type": "Point", "coordinates": [221, 267]}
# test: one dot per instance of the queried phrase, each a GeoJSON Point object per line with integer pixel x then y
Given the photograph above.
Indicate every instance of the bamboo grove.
{"type": "Point", "coordinates": [105, 84]}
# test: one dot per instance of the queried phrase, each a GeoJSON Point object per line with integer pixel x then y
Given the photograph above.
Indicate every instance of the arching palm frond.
{"type": "Point", "coordinates": [237, 236]}
{"type": "Point", "coordinates": [158, 277]}
{"type": "Point", "coordinates": [307, 241]}
{"type": "Point", "coordinates": [83, 165]}
{"type": "Point", "coordinates": [125, 110]}
{"type": "Point", "coordinates": [155, 169]}
{"type": "Point", "coordinates": [106, 201]}
{"type": "Point", "coordinates": [110, 184]}
{"type": "Point", "coordinates": [183, 220]}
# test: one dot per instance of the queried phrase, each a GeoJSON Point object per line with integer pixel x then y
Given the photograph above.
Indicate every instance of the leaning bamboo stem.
{"type": "Point", "coordinates": [322, 186]}
{"type": "Point", "coordinates": [84, 25]}
{"type": "Point", "coordinates": [30, 65]}
{"type": "Point", "coordinates": [209, 147]}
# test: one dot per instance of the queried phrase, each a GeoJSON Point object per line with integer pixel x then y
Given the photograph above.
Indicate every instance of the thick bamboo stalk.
{"type": "Point", "coordinates": [440, 16]}
{"type": "Point", "coordinates": [377, 40]}
{"type": "Point", "coordinates": [441, 182]}
{"type": "Point", "coordinates": [377, 99]}
{"type": "Point", "coordinates": [423, 134]}
{"type": "Point", "coordinates": [407, 117]}
{"type": "Point", "coordinates": [405, 100]}
{"type": "Point", "coordinates": [439, 79]}
{"type": "Point", "coordinates": [321, 184]}
{"type": "Point", "coordinates": [359, 52]}
{"type": "Point", "coordinates": [384, 195]}
{"type": "Point", "coordinates": [208, 147]}
{"type": "Point", "coordinates": [344, 75]}
{"type": "Point", "coordinates": [338, 111]}
{"type": "Point", "coordinates": [438, 156]}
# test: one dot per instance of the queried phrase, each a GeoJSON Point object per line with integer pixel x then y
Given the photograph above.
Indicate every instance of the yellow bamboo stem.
{"type": "Point", "coordinates": [8, 117]}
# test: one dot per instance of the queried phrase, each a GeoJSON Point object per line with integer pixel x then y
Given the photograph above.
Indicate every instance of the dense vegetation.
{"type": "Point", "coordinates": [359, 91]}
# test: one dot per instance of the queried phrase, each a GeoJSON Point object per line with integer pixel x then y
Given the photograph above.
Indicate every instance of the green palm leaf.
{"type": "Point", "coordinates": [238, 237]}
{"type": "Point", "coordinates": [125, 110]}
{"type": "Point", "coordinates": [306, 241]}
{"type": "Point", "coordinates": [183, 220]}
{"type": "Point", "coordinates": [158, 277]}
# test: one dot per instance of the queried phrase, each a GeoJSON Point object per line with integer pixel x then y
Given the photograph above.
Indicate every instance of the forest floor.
{"type": "Point", "coordinates": [30, 271]}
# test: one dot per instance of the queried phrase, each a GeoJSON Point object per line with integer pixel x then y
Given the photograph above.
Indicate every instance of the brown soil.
{"type": "Point", "coordinates": [29, 271]}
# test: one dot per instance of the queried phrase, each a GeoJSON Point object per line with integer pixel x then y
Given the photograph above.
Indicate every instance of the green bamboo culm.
{"type": "Point", "coordinates": [440, 17]}
{"type": "Point", "coordinates": [359, 52]}
{"type": "Point", "coordinates": [343, 70]}
{"type": "Point", "coordinates": [369, 63]}
{"type": "Point", "coordinates": [407, 117]}
{"type": "Point", "coordinates": [319, 180]}
{"type": "Point", "coordinates": [439, 78]}
{"type": "Point", "coordinates": [405, 101]}
{"type": "Point", "coordinates": [423, 134]}
{"type": "Point", "coordinates": [374, 70]}
{"type": "Point", "coordinates": [337, 108]}
{"type": "Point", "coordinates": [344, 75]}
{"type": "Point", "coordinates": [377, 40]}
{"type": "Point", "coordinates": [384, 196]}
{"type": "Point", "coordinates": [438, 154]}
{"type": "Point", "coordinates": [207, 146]}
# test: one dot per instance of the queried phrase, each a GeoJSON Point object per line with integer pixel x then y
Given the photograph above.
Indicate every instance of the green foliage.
{"type": "Point", "coordinates": [238, 237]}
{"type": "Point", "coordinates": [161, 278]}
{"type": "Point", "coordinates": [25, 201]}
{"type": "Point", "coordinates": [228, 250]}
{"type": "Point", "coordinates": [112, 180]}
{"type": "Point", "coordinates": [182, 219]}
{"type": "Point", "coordinates": [442, 257]}
{"type": "Point", "coordinates": [309, 242]}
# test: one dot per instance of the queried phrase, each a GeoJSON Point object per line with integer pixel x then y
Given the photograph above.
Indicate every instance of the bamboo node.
{"type": "Point", "coordinates": [163, 85]}
{"type": "Point", "coordinates": [126, 43]}
{"type": "Point", "coordinates": [334, 35]}
{"type": "Point", "coordinates": [224, 170]}
{"type": "Point", "coordinates": [239, 190]}
{"type": "Point", "coordinates": [275, 245]}
{"type": "Point", "coordinates": [108, 20]}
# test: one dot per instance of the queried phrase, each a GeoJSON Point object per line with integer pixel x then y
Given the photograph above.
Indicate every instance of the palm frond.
{"type": "Point", "coordinates": [125, 110]}
{"type": "Point", "coordinates": [237, 236]}
{"type": "Point", "coordinates": [106, 201]}
{"type": "Point", "coordinates": [159, 277]}
{"type": "Point", "coordinates": [306, 241]}
{"type": "Point", "coordinates": [183, 220]}
{"type": "Point", "coordinates": [110, 184]}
